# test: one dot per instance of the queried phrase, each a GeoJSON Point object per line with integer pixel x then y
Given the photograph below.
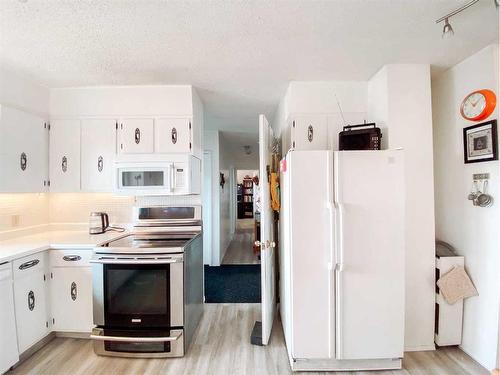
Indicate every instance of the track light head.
{"type": "Point", "coordinates": [447, 29]}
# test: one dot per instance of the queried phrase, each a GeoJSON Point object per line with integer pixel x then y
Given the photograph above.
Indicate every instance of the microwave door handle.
{"type": "Point", "coordinates": [135, 339]}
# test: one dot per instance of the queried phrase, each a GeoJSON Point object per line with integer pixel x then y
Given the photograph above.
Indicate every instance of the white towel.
{"type": "Point", "coordinates": [456, 285]}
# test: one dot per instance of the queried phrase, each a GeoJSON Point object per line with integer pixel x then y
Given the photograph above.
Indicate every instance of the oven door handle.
{"type": "Point", "coordinates": [136, 261]}
{"type": "Point", "coordinates": [136, 339]}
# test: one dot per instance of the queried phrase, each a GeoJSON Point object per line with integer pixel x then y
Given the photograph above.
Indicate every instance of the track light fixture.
{"type": "Point", "coordinates": [447, 29]}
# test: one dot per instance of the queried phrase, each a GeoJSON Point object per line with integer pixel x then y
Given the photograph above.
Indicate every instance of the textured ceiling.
{"type": "Point", "coordinates": [240, 55]}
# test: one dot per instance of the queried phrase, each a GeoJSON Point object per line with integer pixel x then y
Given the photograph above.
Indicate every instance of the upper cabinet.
{"type": "Point", "coordinates": [308, 132]}
{"type": "Point", "coordinates": [23, 151]}
{"type": "Point", "coordinates": [135, 136]}
{"type": "Point", "coordinates": [64, 163]}
{"type": "Point", "coordinates": [98, 150]}
{"type": "Point", "coordinates": [173, 135]}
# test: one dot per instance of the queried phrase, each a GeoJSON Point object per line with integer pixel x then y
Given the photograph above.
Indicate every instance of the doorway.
{"type": "Point", "coordinates": [242, 250]}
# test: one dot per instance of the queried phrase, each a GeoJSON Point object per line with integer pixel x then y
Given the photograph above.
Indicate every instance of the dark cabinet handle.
{"type": "Point", "coordinates": [174, 136]}
{"type": "Point", "coordinates": [72, 258]}
{"type": "Point", "coordinates": [137, 135]}
{"type": "Point", "coordinates": [29, 264]}
{"type": "Point", "coordinates": [100, 163]}
{"type": "Point", "coordinates": [64, 164]}
{"type": "Point", "coordinates": [31, 300]}
{"type": "Point", "coordinates": [24, 161]}
{"type": "Point", "coordinates": [310, 133]}
{"type": "Point", "coordinates": [73, 291]}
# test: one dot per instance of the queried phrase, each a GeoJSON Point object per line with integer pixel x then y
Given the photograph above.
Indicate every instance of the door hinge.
{"type": "Point", "coordinates": [51, 275]}
{"type": "Point", "coordinates": [116, 125]}
{"type": "Point", "coordinates": [48, 183]}
{"type": "Point", "coordinates": [121, 146]}
{"type": "Point", "coordinates": [190, 145]}
{"type": "Point", "coordinates": [47, 324]}
{"type": "Point", "coordinates": [48, 126]}
{"type": "Point", "coordinates": [121, 126]}
{"type": "Point", "coordinates": [189, 125]}
{"type": "Point", "coordinates": [293, 124]}
{"type": "Point", "coordinates": [293, 144]}
{"type": "Point", "coordinates": [44, 278]}
{"type": "Point", "coordinates": [53, 321]}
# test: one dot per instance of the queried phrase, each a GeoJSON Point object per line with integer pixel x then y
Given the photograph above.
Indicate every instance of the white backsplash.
{"type": "Point", "coordinates": [19, 211]}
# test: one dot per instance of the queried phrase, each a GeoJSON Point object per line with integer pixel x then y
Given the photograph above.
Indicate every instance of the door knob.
{"type": "Point", "coordinates": [257, 243]}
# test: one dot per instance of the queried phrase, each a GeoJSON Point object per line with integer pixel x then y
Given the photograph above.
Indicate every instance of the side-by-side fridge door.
{"type": "Point", "coordinates": [370, 246]}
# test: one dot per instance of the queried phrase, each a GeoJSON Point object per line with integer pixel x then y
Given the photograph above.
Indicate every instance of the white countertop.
{"type": "Point", "coordinates": [58, 239]}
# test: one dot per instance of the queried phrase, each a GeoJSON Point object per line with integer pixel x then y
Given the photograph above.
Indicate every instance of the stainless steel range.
{"type": "Point", "coordinates": [148, 285]}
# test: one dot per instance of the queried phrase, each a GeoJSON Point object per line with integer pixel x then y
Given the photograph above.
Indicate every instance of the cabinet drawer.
{"type": "Point", "coordinates": [70, 258]}
{"type": "Point", "coordinates": [30, 264]}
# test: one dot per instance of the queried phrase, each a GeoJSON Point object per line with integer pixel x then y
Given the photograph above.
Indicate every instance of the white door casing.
{"type": "Point", "coordinates": [268, 302]}
{"type": "Point", "coordinates": [207, 208]}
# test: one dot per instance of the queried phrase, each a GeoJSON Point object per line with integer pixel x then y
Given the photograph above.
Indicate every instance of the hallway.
{"type": "Point", "coordinates": [240, 250]}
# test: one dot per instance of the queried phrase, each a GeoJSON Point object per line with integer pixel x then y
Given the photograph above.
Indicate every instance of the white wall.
{"type": "Point", "coordinates": [211, 144]}
{"type": "Point", "coordinates": [473, 231]}
{"type": "Point", "coordinates": [399, 100]}
{"type": "Point", "coordinates": [226, 167]}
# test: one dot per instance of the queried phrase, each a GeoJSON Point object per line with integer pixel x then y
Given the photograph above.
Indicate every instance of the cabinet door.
{"type": "Point", "coordinates": [98, 154]}
{"type": "Point", "coordinates": [310, 133]}
{"type": "Point", "coordinates": [23, 152]}
{"type": "Point", "coordinates": [136, 136]}
{"type": "Point", "coordinates": [65, 156]}
{"type": "Point", "coordinates": [173, 135]}
{"type": "Point", "coordinates": [8, 337]}
{"type": "Point", "coordinates": [71, 299]}
{"type": "Point", "coordinates": [31, 309]}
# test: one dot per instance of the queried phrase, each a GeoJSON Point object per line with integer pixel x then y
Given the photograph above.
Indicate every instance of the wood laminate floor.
{"type": "Point", "coordinates": [240, 250]}
{"type": "Point", "coordinates": [222, 346]}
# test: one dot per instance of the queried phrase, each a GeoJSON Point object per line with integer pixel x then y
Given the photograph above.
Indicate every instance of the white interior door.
{"type": "Point", "coordinates": [266, 231]}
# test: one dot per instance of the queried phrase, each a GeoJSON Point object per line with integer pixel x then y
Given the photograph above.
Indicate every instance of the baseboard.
{"type": "Point", "coordinates": [73, 335]}
{"type": "Point", "coordinates": [422, 348]}
{"type": "Point", "coordinates": [39, 345]}
{"type": "Point", "coordinates": [474, 359]}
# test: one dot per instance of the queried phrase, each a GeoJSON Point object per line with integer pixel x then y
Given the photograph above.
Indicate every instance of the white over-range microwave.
{"type": "Point", "coordinates": [178, 175]}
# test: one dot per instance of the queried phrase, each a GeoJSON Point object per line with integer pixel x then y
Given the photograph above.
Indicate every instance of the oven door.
{"type": "Point", "coordinates": [133, 292]}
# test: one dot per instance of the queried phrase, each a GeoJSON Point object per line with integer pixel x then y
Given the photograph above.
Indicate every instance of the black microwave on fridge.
{"type": "Point", "coordinates": [360, 137]}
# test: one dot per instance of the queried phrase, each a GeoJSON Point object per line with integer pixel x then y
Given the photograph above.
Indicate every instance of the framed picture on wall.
{"type": "Point", "coordinates": [481, 142]}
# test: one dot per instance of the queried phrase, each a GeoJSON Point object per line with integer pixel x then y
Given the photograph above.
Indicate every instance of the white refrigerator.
{"type": "Point", "coordinates": [342, 245]}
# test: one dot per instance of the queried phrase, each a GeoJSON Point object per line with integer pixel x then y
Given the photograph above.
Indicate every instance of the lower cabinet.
{"type": "Point", "coordinates": [9, 354]}
{"type": "Point", "coordinates": [31, 308]}
{"type": "Point", "coordinates": [71, 299]}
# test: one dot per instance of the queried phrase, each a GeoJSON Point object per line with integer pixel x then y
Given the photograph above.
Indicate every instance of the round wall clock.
{"type": "Point", "coordinates": [478, 105]}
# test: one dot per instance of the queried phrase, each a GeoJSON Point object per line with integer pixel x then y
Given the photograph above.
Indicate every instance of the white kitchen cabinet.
{"type": "Point", "coordinates": [98, 144]}
{"type": "Point", "coordinates": [71, 299]}
{"type": "Point", "coordinates": [136, 136]}
{"type": "Point", "coordinates": [172, 135]}
{"type": "Point", "coordinates": [9, 354]}
{"type": "Point", "coordinates": [30, 300]}
{"type": "Point", "coordinates": [308, 132]}
{"type": "Point", "coordinates": [23, 151]}
{"type": "Point", "coordinates": [64, 165]}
